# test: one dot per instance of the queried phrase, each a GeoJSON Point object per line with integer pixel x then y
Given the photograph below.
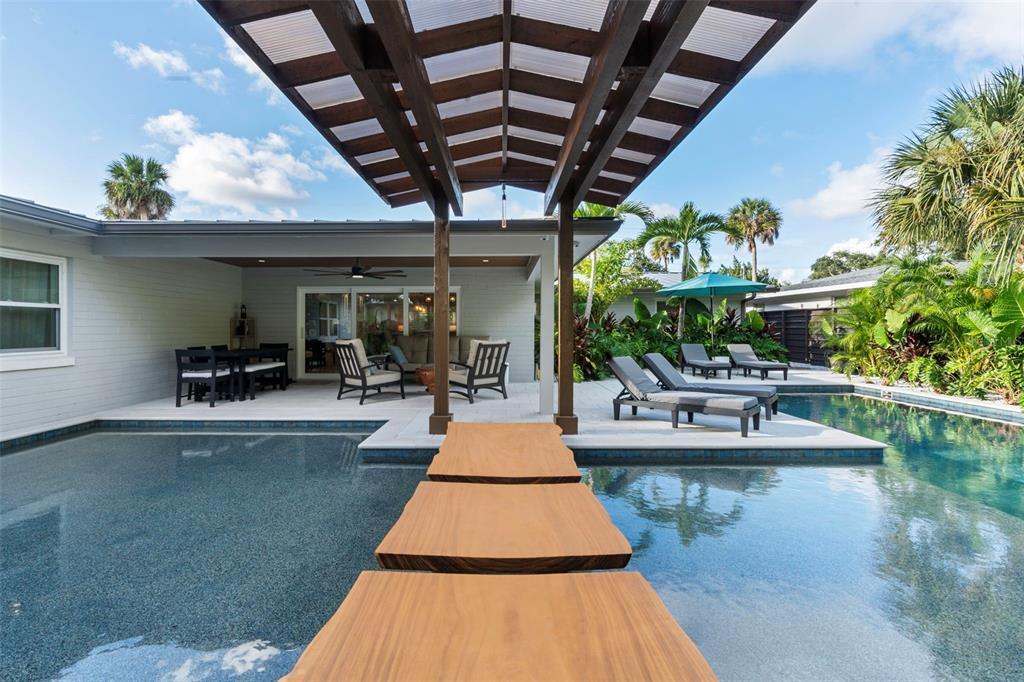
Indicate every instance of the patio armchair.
{"type": "Point", "coordinates": [671, 379]}
{"type": "Point", "coordinates": [639, 391]}
{"type": "Point", "coordinates": [359, 374]}
{"type": "Point", "coordinates": [695, 357]}
{"type": "Point", "coordinates": [486, 368]}
{"type": "Point", "coordinates": [745, 358]}
{"type": "Point", "coordinates": [204, 369]}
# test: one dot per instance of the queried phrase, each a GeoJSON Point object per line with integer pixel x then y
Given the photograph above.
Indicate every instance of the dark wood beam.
{"type": "Point", "coordinates": [489, 170]}
{"type": "Point", "coordinates": [757, 52]}
{"type": "Point", "coordinates": [506, 60]}
{"type": "Point", "coordinates": [249, 46]}
{"type": "Point", "coordinates": [602, 198]}
{"type": "Point", "coordinates": [543, 150]}
{"type": "Point", "coordinates": [455, 125]}
{"type": "Point", "coordinates": [442, 414]}
{"type": "Point", "coordinates": [668, 28]}
{"type": "Point", "coordinates": [621, 22]}
{"type": "Point", "coordinates": [394, 25]}
{"type": "Point", "coordinates": [345, 29]}
{"type": "Point", "coordinates": [565, 417]}
{"type": "Point", "coordinates": [777, 10]}
{"type": "Point", "coordinates": [556, 125]}
{"type": "Point", "coordinates": [704, 67]}
{"type": "Point", "coordinates": [235, 12]}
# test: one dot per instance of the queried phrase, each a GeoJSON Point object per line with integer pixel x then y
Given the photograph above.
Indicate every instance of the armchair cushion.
{"type": "Point", "coordinates": [383, 377]}
{"type": "Point", "coordinates": [461, 377]}
{"type": "Point", "coordinates": [357, 345]}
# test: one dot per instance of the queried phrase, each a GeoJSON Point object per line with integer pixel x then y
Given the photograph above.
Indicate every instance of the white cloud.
{"type": "Point", "coordinates": [168, 64]}
{"type": "Point", "coordinates": [485, 204]}
{"type": "Point", "coordinates": [792, 275]}
{"type": "Point", "coordinates": [260, 83]}
{"type": "Point", "coordinates": [848, 190]}
{"type": "Point", "coordinates": [165, 63]}
{"type": "Point", "coordinates": [776, 170]}
{"type": "Point", "coordinates": [854, 244]}
{"type": "Point", "coordinates": [231, 173]}
{"type": "Point", "coordinates": [838, 34]}
{"type": "Point", "coordinates": [662, 210]}
{"type": "Point", "coordinates": [330, 160]}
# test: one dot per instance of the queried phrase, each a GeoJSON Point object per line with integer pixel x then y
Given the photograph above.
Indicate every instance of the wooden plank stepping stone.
{"type": "Point", "coordinates": [494, 528]}
{"type": "Point", "coordinates": [504, 453]}
{"type": "Point", "coordinates": [434, 626]}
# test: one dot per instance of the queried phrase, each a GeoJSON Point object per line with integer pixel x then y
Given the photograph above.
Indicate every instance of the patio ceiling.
{"type": "Point", "coordinates": [582, 100]}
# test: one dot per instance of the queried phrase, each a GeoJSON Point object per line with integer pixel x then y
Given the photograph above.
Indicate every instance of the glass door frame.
{"type": "Point", "coordinates": [353, 292]}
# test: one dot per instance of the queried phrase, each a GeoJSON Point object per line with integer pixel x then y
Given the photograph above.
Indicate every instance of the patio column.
{"type": "Point", "coordinates": [442, 416]}
{"type": "Point", "coordinates": [546, 352]}
{"type": "Point", "coordinates": [565, 417]}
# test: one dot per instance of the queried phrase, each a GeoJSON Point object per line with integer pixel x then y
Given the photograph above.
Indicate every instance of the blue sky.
{"type": "Point", "coordinates": [83, 82]}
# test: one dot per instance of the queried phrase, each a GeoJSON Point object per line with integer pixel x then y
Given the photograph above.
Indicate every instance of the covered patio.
{"type": "Point", "coordinates": [426, 101]}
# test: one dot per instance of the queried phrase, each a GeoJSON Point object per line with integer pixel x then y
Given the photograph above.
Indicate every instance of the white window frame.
{"type": "Point", "coordinates": [15, 360]}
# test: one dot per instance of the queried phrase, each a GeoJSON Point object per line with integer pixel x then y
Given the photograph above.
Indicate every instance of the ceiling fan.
{"type": "Point", "coordinates": [357, 271]}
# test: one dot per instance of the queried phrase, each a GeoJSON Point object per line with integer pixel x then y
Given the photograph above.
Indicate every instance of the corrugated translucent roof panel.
{"type": "Point", "coordinates": [289, 36]}
{"type": "Point", "coordinates": [587, 14]}
{"type": "Point", "coordinates": [488, 100]}
{"type": "Point", "coordinates": [522, 100]}
{"type": "Point", "coordinates": [430, 14]}
{"type": "Point", "coordinates": [617, 176]}
{"type": "Point", "coordinates": [464, 62]}
{"type": "Point", "coordinates": [547, 62]}
{"type": "Point", "coordinates": [393, 176]}
{"type": "Point", "coordinates": [631, 155]}
{"type": "Point", "coordinates": [477, 158]}
{"type": "Point", "coordinates": [534, 159]}
{"type": "Point", "coordinates": [726, 34]}
{"type": "Point", "coordinates": [374, 157]}
{"type": "Point", "coordinates": [537, 135]}
{"type": "Point", "coordinates": [646, 126]}
{"type": "Point", "coordinates": [331, 91]}
{"type": "Point", "coordinates": [351, 131]}
{"type": "Point", "coordinates": [471, 135]}
{"type": "Point", "coordinates": [683, 90]}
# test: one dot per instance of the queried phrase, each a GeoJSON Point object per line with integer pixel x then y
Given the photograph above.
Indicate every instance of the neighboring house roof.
{"type": "Point", "coordinates": [854, 277]}
{"type": "Point", "coordinates": [664, 279]}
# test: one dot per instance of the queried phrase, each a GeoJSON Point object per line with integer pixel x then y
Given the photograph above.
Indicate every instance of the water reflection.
{"type": "Point", "coordinates": [196, 543]}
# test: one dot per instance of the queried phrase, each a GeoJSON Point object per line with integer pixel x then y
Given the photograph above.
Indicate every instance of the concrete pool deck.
{"type": "Point", "coordinates": [400, 426]}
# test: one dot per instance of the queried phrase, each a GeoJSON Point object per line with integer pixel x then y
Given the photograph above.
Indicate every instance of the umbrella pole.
{"type": "Point", "coordinates": [712, 323]}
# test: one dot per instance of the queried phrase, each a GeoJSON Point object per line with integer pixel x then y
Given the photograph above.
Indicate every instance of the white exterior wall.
{"type": "Point", "coordinates": [495, 302]}
{"type": "Point", "coordinates": [126, 316]}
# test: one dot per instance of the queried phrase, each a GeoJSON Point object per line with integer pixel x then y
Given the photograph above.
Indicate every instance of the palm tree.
{"type": "Point", "coordinates": [752, 221]}
{"type": "Point", "coordinates": [689, 227]}
{"type": "Point", "coordinates": [959, 182]}
{"type": "Point", "coordinates": [134, 191]}
{"type": "Point", "coordinates": [663, 249]}
{"type": "Point", "coordinates": [589, 210]}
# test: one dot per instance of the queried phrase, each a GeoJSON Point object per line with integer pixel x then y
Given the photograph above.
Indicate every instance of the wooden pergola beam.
{"type": "Point", "coordinates": [394, 26]}
{"type": "Point", "coordinates": [236, 12]}
{"type": "Point", "coordinates": [777, 10]}
{"type": "Point", "coordinates": [345, 29]}
{"type": "Point", "coordinates": [506, 64]}
{"type": "Point", "coordinates": [668, 28]}
{"type": "Point", "coordinates": [620, 25]}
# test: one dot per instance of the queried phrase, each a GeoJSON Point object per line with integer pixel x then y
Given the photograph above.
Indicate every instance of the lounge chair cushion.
{"type": "Point", "coordinates": [738, 389]}
{"type": "Point", "coordinates": [671, 377]}
{"type": "Point", "coordinates": [383, 377]}
{"type": "Point", "coordinates": [461, 377]}
{"type": "Point", "coordinates": [743, 355]}
{"type": "Point", "coordinates": [722, 402]}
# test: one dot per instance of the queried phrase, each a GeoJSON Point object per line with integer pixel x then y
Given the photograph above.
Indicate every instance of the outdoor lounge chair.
{"type": "Point", "coordinates": [745, 358]}
{"type": "Point", "coordinates": [639, 391]}
{"type": "Point", "coordinates": [486, 369]}
{"type": "Point", "coordinates": [357, 373]}
{"type": "Point", "coordinates": [695, 357]}
{"type": "Point", "coordinates": [671, 379]}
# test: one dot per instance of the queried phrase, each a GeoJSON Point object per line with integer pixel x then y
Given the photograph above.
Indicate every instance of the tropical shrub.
{"type": "Point", "coordinates": [931, 324]}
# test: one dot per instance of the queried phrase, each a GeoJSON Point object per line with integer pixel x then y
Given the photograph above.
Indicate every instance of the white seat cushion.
{"type": "Point", "coordinates": [383, 377]}
{"type": "Point", "coordinates": [360, 353]}
{"type": "Point", "coordinates": [462, 378]}
{"type": "Point", "coordinates": [260, 366]}
{"type": "Point", "coordinates": [204, 374]}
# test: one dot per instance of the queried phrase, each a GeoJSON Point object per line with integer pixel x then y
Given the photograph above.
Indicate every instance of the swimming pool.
{"type": "Point", "coordinates": [204, 556]}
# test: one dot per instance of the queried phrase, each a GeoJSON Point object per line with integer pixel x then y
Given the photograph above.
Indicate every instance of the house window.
{"type": "Point", "coordinates": [33, 307]}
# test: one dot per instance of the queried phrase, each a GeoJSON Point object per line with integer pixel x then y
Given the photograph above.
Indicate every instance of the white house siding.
{"type": "Point", "coordinates": [496, 302]}
{"type": "Point", "coordinates": [126, 316]}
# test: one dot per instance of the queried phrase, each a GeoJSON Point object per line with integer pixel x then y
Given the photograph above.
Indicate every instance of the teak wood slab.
{"type": "Point", "coordinates": [504, 453]}
{"type": "Point", "coordinates": [494, 528]}
{"type": "Point", "coordinates": [431, 626]}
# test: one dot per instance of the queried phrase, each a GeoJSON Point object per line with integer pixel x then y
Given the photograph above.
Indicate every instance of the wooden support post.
{"type": "Point", "coordinates": [441, 417]}
{"type": "Point", "coordinates": [565, 417]}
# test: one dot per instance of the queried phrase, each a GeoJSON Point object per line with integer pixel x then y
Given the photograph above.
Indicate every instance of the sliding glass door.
{"type": "Point", "coordinates": [328, 317]}
{"type": "Point", "coordinates": [380, 317]}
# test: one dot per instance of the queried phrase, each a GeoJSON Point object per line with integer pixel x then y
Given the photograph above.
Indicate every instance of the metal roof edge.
{"type": "Point", "coordinates": [45, 215]}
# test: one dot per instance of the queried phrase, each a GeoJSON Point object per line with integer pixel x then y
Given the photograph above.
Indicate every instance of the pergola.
{"type": "Point", "coordinates": [580, 100]}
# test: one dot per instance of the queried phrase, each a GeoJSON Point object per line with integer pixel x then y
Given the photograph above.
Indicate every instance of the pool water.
{"type": "Point", "coordinates": [183, 556]}
{"type": "Point", "coordinates": [913, 570]}
{"type": "Point", "coordinates": [203, 556]}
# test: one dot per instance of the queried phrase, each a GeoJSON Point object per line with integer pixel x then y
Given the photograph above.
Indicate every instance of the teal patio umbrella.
{"type": "Point", "coordinates": [712, 284]}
